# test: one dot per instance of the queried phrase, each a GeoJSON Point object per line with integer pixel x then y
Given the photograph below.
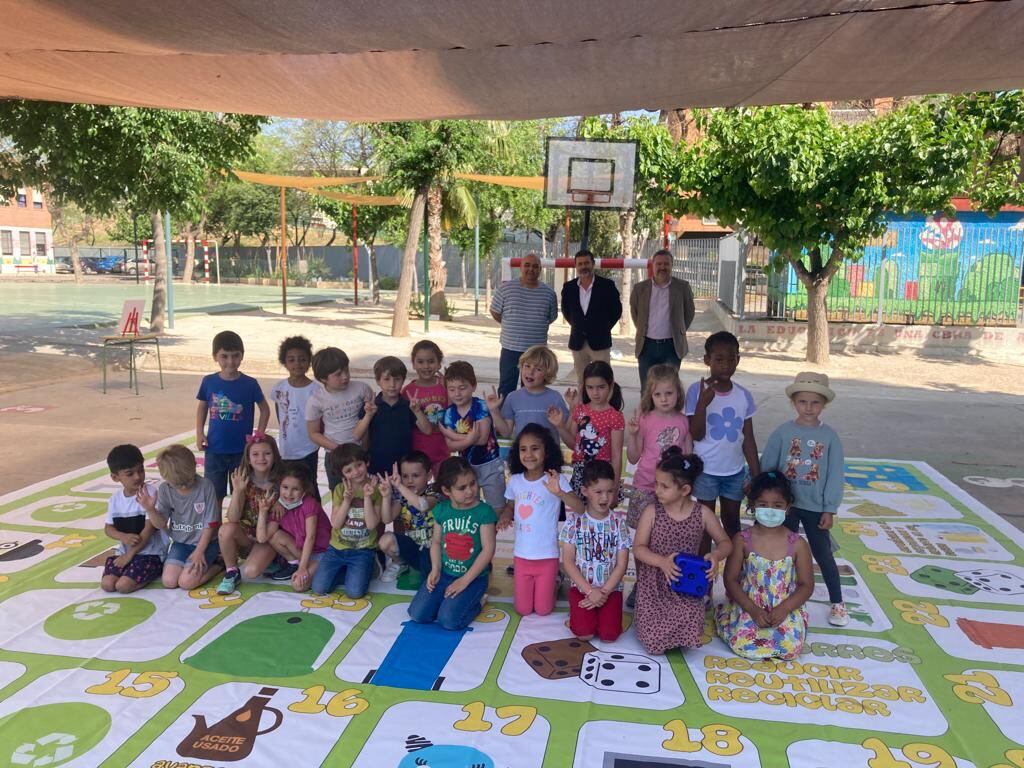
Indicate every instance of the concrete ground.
{"type": "Point", "coordinates": [964, 417]}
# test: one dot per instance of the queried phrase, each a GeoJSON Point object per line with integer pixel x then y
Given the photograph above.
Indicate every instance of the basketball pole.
{"type": "Point", "coordinates": [476, 257]}
{"type": "Point", "coordinates": [586, 230]}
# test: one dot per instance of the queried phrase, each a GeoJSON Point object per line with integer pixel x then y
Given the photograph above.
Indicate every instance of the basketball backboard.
{"type": "Point", "coordinates": [589, 173]}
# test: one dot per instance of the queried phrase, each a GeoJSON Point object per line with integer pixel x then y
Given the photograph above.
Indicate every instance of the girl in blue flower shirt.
{"type": "Point", "coordinates": [721, 423]}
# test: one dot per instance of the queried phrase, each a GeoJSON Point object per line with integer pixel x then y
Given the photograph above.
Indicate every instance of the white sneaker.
{"type": "Point", "coordinates": [839, 617]}
{"type": "Point", "coordinates": [392, 569]}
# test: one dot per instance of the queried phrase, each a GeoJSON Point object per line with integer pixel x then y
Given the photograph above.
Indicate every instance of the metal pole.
{"type": "Point", "coordinates": [881, 287]}
{"type": "Point", "coordinates": [170, 269]}
{"type": "Point", "coordinates": [664, 233]}
{"type": "Point", "coordinates": [216, 256]}
{"type": "Point", "coordinates": [586, 230]}
{"type": "Point", "coordinates": [135, 239]}
{"type": "Point", "coordinates": [283, 255]}
{"type": "Point", "coordinates": [426, 269]}
{"type": "Point", "coordinates": [355, 255]}
{"type": "Point", "coordinates": [476, 258]}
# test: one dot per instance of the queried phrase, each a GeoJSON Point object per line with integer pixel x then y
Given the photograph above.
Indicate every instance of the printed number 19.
{"type": "Point", "coordinates": [917, 754]}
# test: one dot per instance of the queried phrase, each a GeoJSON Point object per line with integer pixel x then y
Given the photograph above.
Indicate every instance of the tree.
{"type": "Point", "coordinates": [816, 192]}
{"type": "Point", "coordinates": [421, 156]}
{"type": "Point", "coordinates": [99, 157]}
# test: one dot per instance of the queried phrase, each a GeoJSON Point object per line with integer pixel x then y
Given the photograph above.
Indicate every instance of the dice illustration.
{"type": "Point", "coordinates": [557, 659]}
{"type": "Point", "coordinates": [622, 672]}
{"type": "Point", "coordinates": [994, 582]}
{"type": "Point", "coordinates": [943, 578]}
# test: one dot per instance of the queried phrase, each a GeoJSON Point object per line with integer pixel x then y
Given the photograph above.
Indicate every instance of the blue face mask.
{"type": "Point", "coordinates": [769, 517]}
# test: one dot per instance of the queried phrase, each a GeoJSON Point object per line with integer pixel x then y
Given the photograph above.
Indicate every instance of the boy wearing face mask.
{"type": "Point", "coordinates": [768, 578]}
{"type": "Point", "coordinates": [809, 455]}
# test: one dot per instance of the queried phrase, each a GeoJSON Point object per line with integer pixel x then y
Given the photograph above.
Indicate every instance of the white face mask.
{"type": "Point", "coordinates": [289, 505]}
{"type": "Point", "coordinates": [769, 517]}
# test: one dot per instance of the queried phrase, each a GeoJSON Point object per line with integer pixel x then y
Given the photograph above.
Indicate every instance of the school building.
{"type": "Point", "coordinates": [26, 234]}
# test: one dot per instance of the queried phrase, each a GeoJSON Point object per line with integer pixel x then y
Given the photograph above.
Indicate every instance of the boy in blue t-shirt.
{"type": "Point", "coordinates": [468, 429]}
{"type": "Point", "coordinates": [230, 399]}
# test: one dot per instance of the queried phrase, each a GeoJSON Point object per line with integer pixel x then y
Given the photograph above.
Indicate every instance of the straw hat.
{"type": "Point", "coordinates": [809, 381]}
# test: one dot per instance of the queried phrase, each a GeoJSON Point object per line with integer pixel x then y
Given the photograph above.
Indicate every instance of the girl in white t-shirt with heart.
{"type": "Point", "coordinates": [534, 496]}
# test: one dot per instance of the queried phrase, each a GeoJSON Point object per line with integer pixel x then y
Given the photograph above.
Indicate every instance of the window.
{"type": "Point", "coordinates": [22, 200]}
{"type": "Point", "coordinates": [41, 244]}
{"type": "Point", "coordinates": [25, 244]}
{"type": "Point", "coordinates": [6, 243]}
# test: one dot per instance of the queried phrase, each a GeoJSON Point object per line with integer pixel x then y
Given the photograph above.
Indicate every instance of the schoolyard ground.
{"type": "Point", "coordinates": [965, 417]}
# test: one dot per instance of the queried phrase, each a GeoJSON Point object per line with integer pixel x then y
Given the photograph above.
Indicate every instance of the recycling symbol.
{"type": "Point", "coordinates": [95, 609]}
{"type": "Point", "coordinates": [30, 753]}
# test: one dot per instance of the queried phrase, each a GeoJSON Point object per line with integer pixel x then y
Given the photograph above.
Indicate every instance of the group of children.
{"type": "Point", "coordinates": [417, 482]}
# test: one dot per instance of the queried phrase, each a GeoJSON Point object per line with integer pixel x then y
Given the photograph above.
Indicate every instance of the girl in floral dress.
{"type": "Point", "coordinates": [768, 578]}
{"type": "Point", "coordinates": [674, 523]}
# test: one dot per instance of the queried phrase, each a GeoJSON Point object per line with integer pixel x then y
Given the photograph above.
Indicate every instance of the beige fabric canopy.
{"type": "Point", "coordinates": [301, 182]}
{"type": "Point", "coordinates": [362, 199]}
{"type": "Point", "coordinates": [522, 182]}
{"type": "Point", "coordinates": [409, 59]}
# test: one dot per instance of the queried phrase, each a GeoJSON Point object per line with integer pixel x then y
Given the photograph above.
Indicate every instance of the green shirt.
{"type": "Point", "coordinates": [354, 534]}
{"type": "Point", "coordinates": [460, 534]}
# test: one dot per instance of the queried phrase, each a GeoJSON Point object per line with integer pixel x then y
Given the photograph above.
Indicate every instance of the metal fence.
{"type": "Point", "coordinates": [933, 272]}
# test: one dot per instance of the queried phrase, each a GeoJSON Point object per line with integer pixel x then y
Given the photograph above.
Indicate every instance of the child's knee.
{"type": "Point", "coordinates": [108, 583]}
{"type": "Point", "coordinates": [126, 585]}
{"type": "Point", "coordinates": [169, 581]}
{"type": "Point", "coordinates": [250, 570]}
{"type": "Point", "coordinates": [388, 544]}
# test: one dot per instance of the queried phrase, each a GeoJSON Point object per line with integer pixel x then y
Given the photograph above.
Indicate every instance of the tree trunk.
{"type": "Point", "coordinates": [190, 255]}
{"type": "Point", "coordinates": [400, 318]}
{"type": "Point", "coordinates": [374, 274]}
{"type": "Point", "coordinates": [626, 219]}
{"type": "Point", "coordinates": [438, 270]}
{"type": "Point", "coordinates": [817, 322]}
{"type": "Point", "coordinates": [462, 270]}
{"type": "Point", "coordinates": [159, 305]}
{"type": "Point", "coordinates": [76, 261]}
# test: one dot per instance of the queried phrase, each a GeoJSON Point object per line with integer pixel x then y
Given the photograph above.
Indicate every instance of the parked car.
{"type": "Point", "coordinates": [62, 265]}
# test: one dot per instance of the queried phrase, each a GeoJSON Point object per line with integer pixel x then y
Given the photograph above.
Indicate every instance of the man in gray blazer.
{"type": "Point", "coordinates": [662, 310]}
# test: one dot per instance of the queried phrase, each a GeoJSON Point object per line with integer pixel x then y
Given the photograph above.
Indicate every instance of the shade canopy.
{"type": "Point", "coordinates": [409, 59]}
{"type": "Point", "coordinates": [521, 182]}
{"type": "Point", "coordinates": [363, 199]}
{"type": "Point", "coordinates": [301, 182]}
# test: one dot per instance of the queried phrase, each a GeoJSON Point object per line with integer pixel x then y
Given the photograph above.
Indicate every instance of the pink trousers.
{"type": "Point", "coordinates": [535, 586]}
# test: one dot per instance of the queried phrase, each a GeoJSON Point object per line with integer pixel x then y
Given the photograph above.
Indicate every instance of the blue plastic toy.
{"type": "Point", "coordinates": [693, 578]}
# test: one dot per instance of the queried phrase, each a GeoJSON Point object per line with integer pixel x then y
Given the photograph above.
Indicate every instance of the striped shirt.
{"type": "Point", "coordinates": [525, 313]}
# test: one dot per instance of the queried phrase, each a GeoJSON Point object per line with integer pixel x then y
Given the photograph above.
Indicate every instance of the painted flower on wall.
{"type": "Point", "coordinates": [941, 233]}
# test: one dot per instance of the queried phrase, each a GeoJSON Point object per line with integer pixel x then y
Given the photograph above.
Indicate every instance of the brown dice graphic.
{"type": "Point", "coordinates": [557, 659]}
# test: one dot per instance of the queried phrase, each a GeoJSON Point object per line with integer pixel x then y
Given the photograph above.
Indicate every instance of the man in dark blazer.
{"type": "Point", "coordinates": [591, 306]}
{"type": "Point", "coordinates": [662, 310]}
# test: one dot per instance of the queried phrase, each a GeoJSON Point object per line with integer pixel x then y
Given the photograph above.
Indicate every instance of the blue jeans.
{"type": "Point", "coordinates": [656, 351]}
{"type": "Point", "coordinates": [180, 553]}
{"type": "Point", "coordinates": [217, 467]}
{"type": "Point", "coordinates": [821, 548]}
{"type": "Point", "coordinates": [508, 371]}
{"type": "Point", "coordinates": [452, 613]}
{"type": "Point", "coordinates": [355, 566]}
{"type": "Point", "coordinates": [333, 478]}
{"type": "Point", "coordinates": [412, 554]}
{"type": "Point", "coordinates": [710, 487]}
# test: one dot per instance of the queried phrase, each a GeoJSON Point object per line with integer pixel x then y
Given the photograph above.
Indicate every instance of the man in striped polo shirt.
{"type": "Point", "coordinates": [525, 308]}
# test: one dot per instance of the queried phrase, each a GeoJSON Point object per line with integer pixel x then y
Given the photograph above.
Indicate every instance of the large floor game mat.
{"type": "Point", "coordinates": [930, 671]}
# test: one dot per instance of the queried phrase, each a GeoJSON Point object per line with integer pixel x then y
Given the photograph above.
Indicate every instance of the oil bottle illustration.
{"type": "Point", "coordinates": [232, 738]}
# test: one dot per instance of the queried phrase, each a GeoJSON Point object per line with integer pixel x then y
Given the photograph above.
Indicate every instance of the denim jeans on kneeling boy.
{"type": "Point", "coordinates": [353, 568]}
{"type": "Point", "coordinates": [452, 613]}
